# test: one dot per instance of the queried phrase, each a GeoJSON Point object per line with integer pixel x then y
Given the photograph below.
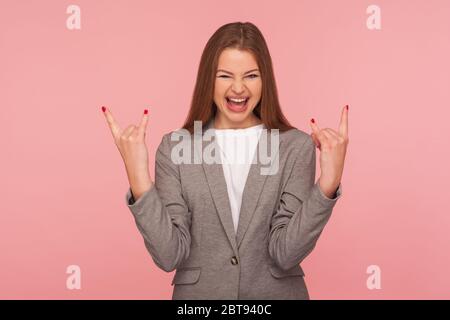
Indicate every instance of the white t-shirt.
{"type": "Point", "coordinates": [237, 149]}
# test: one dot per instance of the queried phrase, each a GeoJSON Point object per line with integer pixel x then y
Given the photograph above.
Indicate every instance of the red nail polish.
{"type": "Point", "coordinates": [103, 109]}
{"type": "Point", "coordinates": [346, 107]}
{"type": "Point", "coordinates": [145, 111]}
{"type": "Point", "coordinates": [312, 120]}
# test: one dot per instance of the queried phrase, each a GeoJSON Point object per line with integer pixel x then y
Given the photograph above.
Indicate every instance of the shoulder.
{"type": "Point", "coordinates": [173, 138]}
{"type": "Point", "coordinates": [176, 135]}
{"type": "Point", "coordinates": [296, 139]}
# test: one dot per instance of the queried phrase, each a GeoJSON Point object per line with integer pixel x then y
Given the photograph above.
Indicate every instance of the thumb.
{"type": "Point", "coordinates": [316, 141]}
{"type": "Point", "coordinates": [143, 124]}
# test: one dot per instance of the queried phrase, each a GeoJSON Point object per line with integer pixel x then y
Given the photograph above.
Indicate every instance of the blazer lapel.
{"type": "Point", "coordinates": [250, 197]}
{"type": "Point", "coordinates": [219, 192]}
{"type": "Point", "coordinates": [253, 187]}
{"type": "Point", "coordinates": [218, 188]}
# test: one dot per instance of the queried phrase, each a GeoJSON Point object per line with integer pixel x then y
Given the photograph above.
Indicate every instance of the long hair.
{"type": "Point", "coordinates": [242, 36]}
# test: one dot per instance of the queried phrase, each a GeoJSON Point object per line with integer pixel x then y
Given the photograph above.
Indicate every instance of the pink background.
{"type": "Point", "coordinates": [63, 181]}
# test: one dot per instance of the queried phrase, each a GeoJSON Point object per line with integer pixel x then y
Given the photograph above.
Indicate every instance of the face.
{"type": "Point", "coordinates": [237, 77]}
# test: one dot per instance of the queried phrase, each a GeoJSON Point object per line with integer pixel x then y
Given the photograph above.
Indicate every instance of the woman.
{"type": "Point", "coordinates": [228, 230]}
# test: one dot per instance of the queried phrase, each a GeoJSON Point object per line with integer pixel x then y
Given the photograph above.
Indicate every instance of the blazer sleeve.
{"type": "Point", "coordinates": [302, 213]}
{"type": "Point", "coordinates": [161, 214]}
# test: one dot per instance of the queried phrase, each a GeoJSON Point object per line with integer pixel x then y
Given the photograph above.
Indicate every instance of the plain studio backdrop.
{"type": "Point", "coordinates": [63, 180]}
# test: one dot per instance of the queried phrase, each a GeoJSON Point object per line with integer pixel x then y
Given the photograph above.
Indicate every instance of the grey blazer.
{"type": "Point", "coordinates": [186, 223]}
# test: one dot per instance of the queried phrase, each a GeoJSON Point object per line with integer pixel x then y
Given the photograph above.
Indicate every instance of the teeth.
{"type": "Point", "coordinates": [237, 100]}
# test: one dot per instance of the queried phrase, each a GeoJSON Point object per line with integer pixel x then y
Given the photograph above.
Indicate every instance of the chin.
{"type": "Point", "coordinates": [237, 117]}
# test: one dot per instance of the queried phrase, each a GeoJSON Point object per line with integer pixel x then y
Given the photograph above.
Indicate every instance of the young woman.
{"type": "Point", "coordinates": [228, 230]}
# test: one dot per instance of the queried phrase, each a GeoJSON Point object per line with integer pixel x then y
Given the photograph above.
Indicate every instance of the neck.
{"type": "Point", "coordinates": [247, 123]}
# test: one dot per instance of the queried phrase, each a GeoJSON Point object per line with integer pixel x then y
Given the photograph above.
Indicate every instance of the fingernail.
{"type": "Point", "coordinates": [312, 120]}
{"type": "Point", "coordinates": [346, 107]}
{"type": "Point", "coordinates": [145, 111]}
{"type": "Point", "coordinates": [103, 109]}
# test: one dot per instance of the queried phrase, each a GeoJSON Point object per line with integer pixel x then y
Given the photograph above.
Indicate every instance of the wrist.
{"type": "Point", "coordinates": [329, 189]}
{"type": "Point", "coordinates": [138, 190]}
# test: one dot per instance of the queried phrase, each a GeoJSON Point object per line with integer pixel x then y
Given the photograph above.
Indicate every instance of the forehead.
{"type": "Point", "coordinates": [232, 59]}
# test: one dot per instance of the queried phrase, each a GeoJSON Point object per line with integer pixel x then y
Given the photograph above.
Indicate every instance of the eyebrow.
{"type": "Point", "coordinates": [232, 73]}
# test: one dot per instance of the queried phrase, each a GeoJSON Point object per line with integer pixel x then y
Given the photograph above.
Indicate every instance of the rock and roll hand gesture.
{"type": "Point", "coordinates": [132, 148]}
{"type": "Point", "coordinates": [333, 146]}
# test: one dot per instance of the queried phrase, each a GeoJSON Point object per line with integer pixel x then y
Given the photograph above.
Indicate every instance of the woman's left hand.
{"type": "Point", "coordinates": [332, 146]}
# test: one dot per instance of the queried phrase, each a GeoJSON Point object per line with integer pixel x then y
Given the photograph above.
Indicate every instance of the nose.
{"type": "Point", "coordinates": [238, 87]}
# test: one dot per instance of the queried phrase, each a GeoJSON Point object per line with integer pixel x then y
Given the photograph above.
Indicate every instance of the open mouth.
{"type": "Point", "coordinates": [237, 105]}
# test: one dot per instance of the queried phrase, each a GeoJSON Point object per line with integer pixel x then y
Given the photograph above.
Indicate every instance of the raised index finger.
{"type": "Point", "coordinates": [315, 128]}
{"type": "Point", "coordinates": [115, 130]}
{"type": "Point", "coordinates": [343, 124]}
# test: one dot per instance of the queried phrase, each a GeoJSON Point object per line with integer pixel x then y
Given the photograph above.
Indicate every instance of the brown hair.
{"type": "Point", "coordinates": [242, 36]}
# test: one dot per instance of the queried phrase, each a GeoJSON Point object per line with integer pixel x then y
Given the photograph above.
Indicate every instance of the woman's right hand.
{"type": "Point", "coordinates": [132, 148]}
